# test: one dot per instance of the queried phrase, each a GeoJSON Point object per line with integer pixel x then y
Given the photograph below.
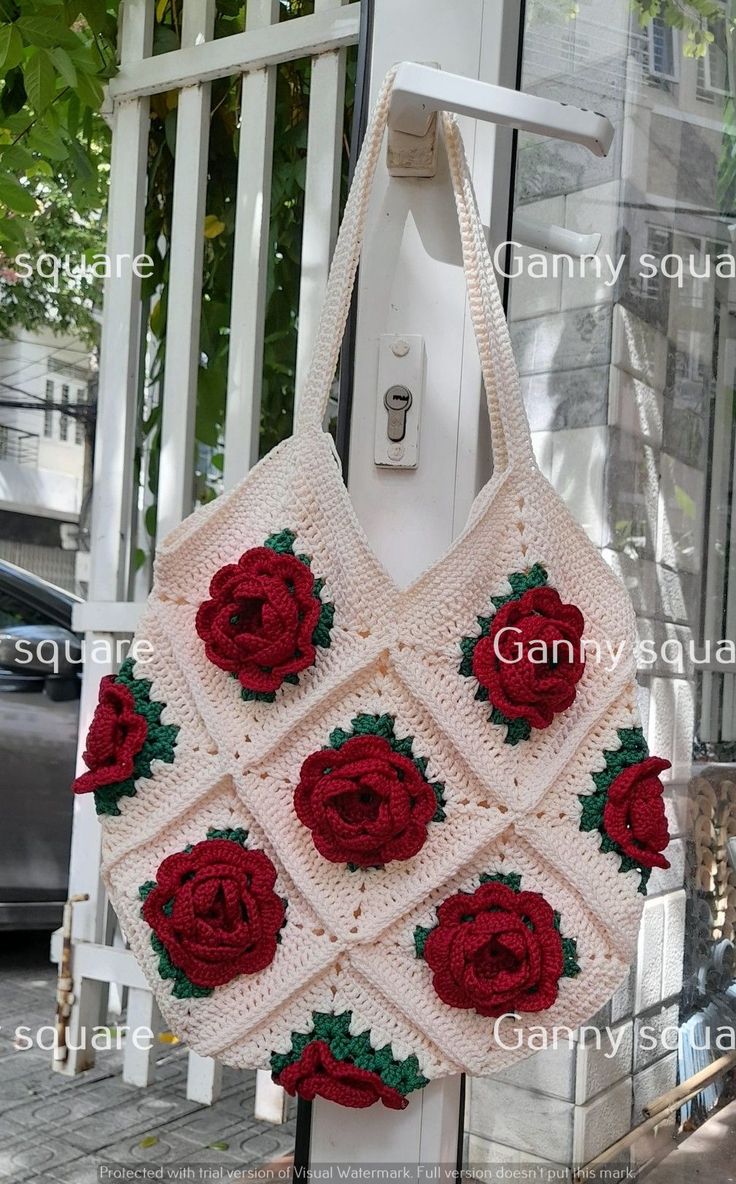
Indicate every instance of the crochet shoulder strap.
{"type": "Point", "coordinates": [509, 426]}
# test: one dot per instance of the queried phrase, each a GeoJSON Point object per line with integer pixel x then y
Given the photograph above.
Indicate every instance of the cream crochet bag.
{"type": "Point", "coordinates": [364, 835]}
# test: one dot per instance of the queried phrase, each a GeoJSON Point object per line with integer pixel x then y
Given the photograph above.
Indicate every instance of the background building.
{"type": "Point", "coordinates": [47, 392]}
{"type": "Point", "coordinates": [629, 388]}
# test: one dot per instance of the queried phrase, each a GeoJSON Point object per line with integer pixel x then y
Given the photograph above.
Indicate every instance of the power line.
{"type": "Point", "coordinates": [45, 358]}
{"type": "Point", "coordinates": [71, 410]}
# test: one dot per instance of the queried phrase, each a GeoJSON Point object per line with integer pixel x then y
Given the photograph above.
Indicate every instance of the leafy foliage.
{"type": "Point", "coordinates": [692, 17]}
{"type": "Point", "coordinates": [54, 157]}
{"type": "Point", "coordinates": [55, 57]}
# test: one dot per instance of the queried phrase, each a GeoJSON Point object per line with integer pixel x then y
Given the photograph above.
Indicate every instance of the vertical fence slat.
{"type": "Point", "coordinates": [321, 192]}
{"type": "Point", "coordinates": [185, 284]}
{"type": "Point", "coordinates": [117, 401]}
{"type": "Point", "coordinates": [250, 258]}
{"type": "Point", "coordinates": [121, 328]}
{"type": "Point", "coordinates": [112, 512]}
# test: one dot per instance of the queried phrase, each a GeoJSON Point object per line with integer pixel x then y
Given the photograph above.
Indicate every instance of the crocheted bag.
{"type": "Point", "coordinates": [351, 829]}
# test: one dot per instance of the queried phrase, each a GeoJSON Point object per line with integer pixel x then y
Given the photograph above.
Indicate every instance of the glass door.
{"type": "Point", "coordinates": [627, 361]}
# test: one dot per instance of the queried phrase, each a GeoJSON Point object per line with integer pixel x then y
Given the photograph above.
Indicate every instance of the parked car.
{"type": "Point", "coordinates": [40, 677]}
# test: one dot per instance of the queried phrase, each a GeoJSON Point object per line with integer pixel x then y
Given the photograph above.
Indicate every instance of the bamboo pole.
{"type": "Point", "coordinates": [64, 979]}
{"type": "Point", "coordinates": [693, 1085]}
{"type": "Point", "coordinates": [666, 1105]}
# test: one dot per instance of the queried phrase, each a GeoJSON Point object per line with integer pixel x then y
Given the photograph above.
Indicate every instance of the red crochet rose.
{"type": "Point", "coordinates": [519, 685]}
{"type": "Point", "coordinates": [634, 816]}
{"type": "Point", "coordinates": [215, 911]}
{"type": "Point", "coordinates": [116, 735]}
{"type": "Point", "coordinates": [259, 622]}
{"type": "Point", "coordinates": [495, 950]}
{"type": "Point", "coordinates": [364, 803]}
{"type": "Point", "coordinates": [317, 1072]}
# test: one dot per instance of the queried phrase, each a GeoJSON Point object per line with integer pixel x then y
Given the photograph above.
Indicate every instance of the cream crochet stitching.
{"type": "Point", "coordinates": [348, 941]}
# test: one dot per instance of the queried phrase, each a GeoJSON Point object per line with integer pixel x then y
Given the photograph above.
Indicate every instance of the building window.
{"type": "Point", "coordinates": [64, 419]}
{"type": "Point", "coordinates": [715, 68]}
{"type": "Point", "coordinates": [659, 244]}
{"type": "Point", "coordinates": [48, 414]}
{"type": "Point", "coordinates": [713, 81]}
{"type": "Point", "coordinates": [79, 419]}
{"type": "Point", "coordinates": [663, 58]}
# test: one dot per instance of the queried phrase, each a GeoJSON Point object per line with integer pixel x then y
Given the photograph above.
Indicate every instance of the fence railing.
{"type": "Point", "coordinates": [254, 56]}
{"type": "Point", "coordinates": [18, 446]}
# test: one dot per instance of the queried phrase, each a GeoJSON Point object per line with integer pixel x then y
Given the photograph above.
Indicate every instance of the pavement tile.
{"type": "Point", "coordinates": [210, 1125]}
{"type": "Point", "coordinates": [79, 1171]}
{"type": "Point", "coordinates": [258, 1146]}
{"type": "Point", "coordinates": [63, 1112]}
{"type": "Point", "coordinates": [96, 1118]}
{"type": "Point", "coordinates": [19, 1160]}
{"type": "Point", "coordinates": [107, 1127]}
{"type": "Point", "coordinates": [154, 1145]}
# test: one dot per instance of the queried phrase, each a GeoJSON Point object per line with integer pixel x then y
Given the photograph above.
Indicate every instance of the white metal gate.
{"type": "Point", "coordinates": [110, 612]}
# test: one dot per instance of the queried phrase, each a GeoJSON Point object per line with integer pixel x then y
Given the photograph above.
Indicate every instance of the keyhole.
{"type": "Point", "coordinates": [397, 402]}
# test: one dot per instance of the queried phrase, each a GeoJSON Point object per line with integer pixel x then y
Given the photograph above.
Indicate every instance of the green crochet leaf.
{"type": "Point", "coordinates": [404, 747]}
{"type": "Point", "coordinates": [321, 635]}
{"type": "Point", "coordinates": [570, 967]}
{"type": "Point", "coordinates": [420, 939]}
{"type": "Point", "coordinates": [374, 725]}
{"type": "Point", "coordinates": [183, 988]}
{"type": "Point", "coordinates": [467, 647]}
{"type": "Point", "coordinates": [602, 778]}
{"type": "Point", "coordinates": [510, 879]}
{"type": "Point", "coordinates": [107, 798]}
{"type": "Point", "coordinates": [523, 581]}
{"type": "Point", "coordinates": [591, 817]}
{"type": "Point", "coordinates": [235, 835]}
{"type": "Point", "coordinates": [282, 542]}
{"type": "Point", "coordinates": [338, 737]}
{"type": "Point", "coordinates": [258, 696]}
{"type": "Point", "coordinates": [516, 729]}
{"type": "Point", "coordinates": [439, 792]}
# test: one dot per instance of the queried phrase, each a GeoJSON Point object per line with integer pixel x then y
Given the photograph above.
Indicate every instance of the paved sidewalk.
{"type": "Point", "coordinates": [60, 1129]}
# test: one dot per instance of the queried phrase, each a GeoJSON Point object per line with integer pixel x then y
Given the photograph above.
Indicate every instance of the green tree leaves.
{"type": "Point", "coordinates": [15, 197]}
{"type": "Point", "coordinates": [39, 77]}
{"type": "Point", "coordinates": [54, 60]}
{"type": "Point", "coordinates": [11, 48]}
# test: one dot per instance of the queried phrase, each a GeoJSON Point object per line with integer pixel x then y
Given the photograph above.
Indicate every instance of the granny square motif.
{"type": "Point", "coordinates": [354, 832]}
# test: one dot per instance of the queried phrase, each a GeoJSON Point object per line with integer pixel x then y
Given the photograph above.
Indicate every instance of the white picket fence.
{"type": "Point", "coordinates": [99, 958]}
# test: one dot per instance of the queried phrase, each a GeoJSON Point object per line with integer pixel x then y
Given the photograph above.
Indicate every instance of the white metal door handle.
{"type": "Point", "coordinates": [419, 91]}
